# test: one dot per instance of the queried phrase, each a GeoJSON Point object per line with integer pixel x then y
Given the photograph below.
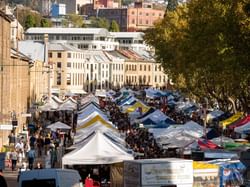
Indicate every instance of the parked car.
{"type": "Point", "coordinates": [50, 178]}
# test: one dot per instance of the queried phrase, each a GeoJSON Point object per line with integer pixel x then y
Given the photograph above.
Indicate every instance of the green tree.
{"type": "Point", "coordinates": [99, 22]}
{"type": "Point", "coordinates": [76, 20]}
{"type": "Point", "coordinates": [23, 13]}
{"type": "Point", "coordinates": [45, 22]}
{"type": "Point", "coordinates": [114, 27]}
{"type": "Point", "coordinates": [29, 22]}
{"type": "Point", "coordinates": [204, 46]}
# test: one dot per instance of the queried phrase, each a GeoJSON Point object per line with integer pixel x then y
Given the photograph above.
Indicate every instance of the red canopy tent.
{"type": "Point", "coordinates": [241, 122]}
{"type": "Point", "coordinates": [207, 144]}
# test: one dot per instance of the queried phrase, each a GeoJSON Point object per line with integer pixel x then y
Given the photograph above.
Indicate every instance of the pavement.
{"type": "Point", "coordinates": [11, 176]}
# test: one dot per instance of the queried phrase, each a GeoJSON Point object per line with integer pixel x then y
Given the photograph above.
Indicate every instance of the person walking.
{"type": "Point", "coordinates": [31, 157]}
{"type": "Point", "coordinates": [53, 156]}
{"type": "Point", "coordinates": [13, 157]}
{"type": "Point", "coordinates": [3, 182]}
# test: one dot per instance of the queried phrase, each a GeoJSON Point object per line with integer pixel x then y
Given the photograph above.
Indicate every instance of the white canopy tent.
{"type": "Point", "coordinates": [68, 104]}
{"type": "Point", "coordinates": [81, 134]}
{"type": "Point", "coordinates": [49, 105]}
{"type": "Point", "coordinates": [98, 150]}
{"type": "Point", "coordinates": [84, 113]}
{"type": "Point", "coordinates": [91, 116]}
{"type": "Point", "coordinates": [157, 116]}
{"type": "Point", "coordinates": [58, 125]}
{"type": "Point", "coordinates": [89, 98]}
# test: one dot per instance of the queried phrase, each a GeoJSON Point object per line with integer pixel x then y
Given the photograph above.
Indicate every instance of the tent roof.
{"type": "Point", "coordinates": [231, 119]}
{"type": "Point", "coordinates": [241, 122]}
{"type": "Point", "coordinates": [89, 98]}
{"type": "Point", "coordinates": [243, 128]}
{"type": "Point", "coordinates": [214, 114]}
{"type": "Point", "coordinates": [49, 105]}
{"type": "Point", "coordinates": [157, 116]}
{"type": "Point", "coordinates": [89, 114]}
{"type": "Point", "coordinates": [136, 106]}
{"type": "Point", "coordinates": [84, 113]}
{"type": "Point", "coordinates": [58, 125]}
{"type": "Point", "coordinates": [59, 101]}
{"type": "Point", "coordinates": [69, 104]}
{"type": "Point", "coordinates": [91, 120]}
{"type": "Point", "coordinates": [99, 150]}
{"type": "Point", "coordinates": [82, 108]}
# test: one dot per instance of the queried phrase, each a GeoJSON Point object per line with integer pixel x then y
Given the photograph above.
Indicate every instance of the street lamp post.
{"type": "Point", "coordinates": [205, 105]}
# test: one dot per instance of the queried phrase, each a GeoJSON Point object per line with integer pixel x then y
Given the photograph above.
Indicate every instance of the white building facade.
{"type": "Point", "coordinates": [82, 38]}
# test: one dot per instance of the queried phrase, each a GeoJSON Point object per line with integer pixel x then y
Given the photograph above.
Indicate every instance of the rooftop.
{"type": "Point", "coordinates": [138, 35]}
{"type": "Point", "coordinates": [41, 30]}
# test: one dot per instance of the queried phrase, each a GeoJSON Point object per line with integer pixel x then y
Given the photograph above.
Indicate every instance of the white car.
{"type": "Point", "coordinates": [50, 178]}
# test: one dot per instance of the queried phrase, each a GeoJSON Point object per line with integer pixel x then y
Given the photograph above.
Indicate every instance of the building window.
{"type": "Point", "coordinates": [146, 14]}
{"type": "Point", "coordinates": [155, 68]}
{"type": "Point", "coordinates": [69, 55]}
{"type": "Point", "coordinates": [148, 79]}
{"type": "Point", "coordinates": [147, 22]}
{"type": "Point", "coordinates": [69, 64]}
{"type": "Point", "coordinates": [160, 79]}
{"type": "Point", "coordinates": [133, 21]}
{"type": "Point", "coordinates": [145, 68]}
{"type": "Point", "coordinates": [50, 55]}
{"type": "Point", "coordinates": [155, 78]}
{"type": "Point", "coordinates": [58, 79]}
{"type": "Point", "coordinates": [59, 64]}
{"type": "Point", "coordinates": [140, 67]}
{"type": "Point", "coordinates": [149, 68]}
{"type": "Point", "coordinates": [59, 55]}
{"type": "Point", "coordinates": [132, 12]}
{"type": "Point", "coordinates": [68, 79]}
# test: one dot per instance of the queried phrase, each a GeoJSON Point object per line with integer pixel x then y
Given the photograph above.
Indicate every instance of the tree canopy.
{"type": "Point", "coordinates": [114, 27]}
{"type": "Point", "coordinates": [74, 20]}
{"type": "Point", "coordinates": [29, 18]}
{"type": "Point", "coordinates": [204, 47]}
{"type": "Point", "coordinates": [99, 22]}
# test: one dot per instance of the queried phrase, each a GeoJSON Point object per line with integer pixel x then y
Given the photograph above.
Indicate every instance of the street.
{"type": "Point", "coordinates": [11, 177]}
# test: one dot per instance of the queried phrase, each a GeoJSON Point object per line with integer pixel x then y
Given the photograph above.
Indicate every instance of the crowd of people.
{"type": "Point", "coordinates": [44, 144]}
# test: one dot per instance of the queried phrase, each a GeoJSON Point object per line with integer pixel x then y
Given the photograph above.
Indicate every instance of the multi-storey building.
{"type": "Point", "coordinates": [141, 71]}
{"type": "Point", "coordinates": [130, 40]}
{"type": "Point", "coordinates": [134, 18]}
{"type": "Point", "coordinates": [143, 16]}
{"type": "Point", "coordinates": [77, 71]}
{"type": "Point", "coordinates": [39, 74]}
{"type": "Point", "coordinates": [14, 83]}
{"type": "Point", "coordinates": [82, 38]}
{"type": "Point", "coordinates": [73, 6]}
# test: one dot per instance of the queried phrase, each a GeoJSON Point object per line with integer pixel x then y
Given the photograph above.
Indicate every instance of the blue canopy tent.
{"type": "Point", "coordinates": [151, 110]}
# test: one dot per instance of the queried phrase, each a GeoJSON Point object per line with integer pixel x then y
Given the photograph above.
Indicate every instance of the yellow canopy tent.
{"type": "Point", "coordinates": [231, 120]}
{"type": "Point", "coordinates": [136, 106]}
{"type": "Point", "coordinates": [95, 119]}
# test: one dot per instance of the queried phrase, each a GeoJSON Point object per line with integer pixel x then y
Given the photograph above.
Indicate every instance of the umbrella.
{"type": "Point", "coordinates": [58, 125]}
